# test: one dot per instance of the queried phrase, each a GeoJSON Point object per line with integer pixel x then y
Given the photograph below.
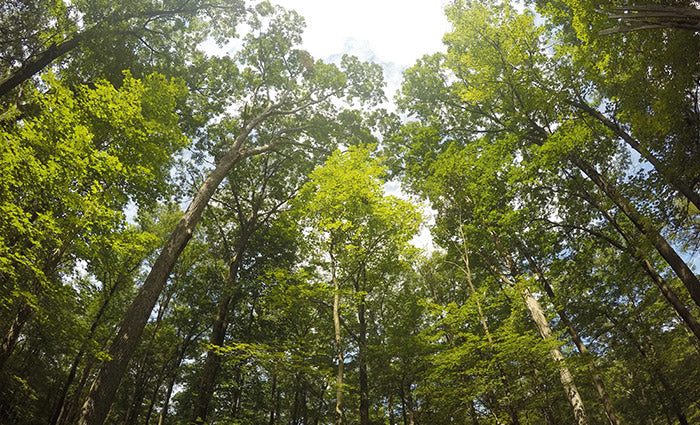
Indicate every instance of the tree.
{"type": "Point", "coordinates": [362, 232]}
{"type": "Point", "coordinates": [287, 96]}
{"type": "Point", "coordinates": [69, 174]}
{"type": "Point", "coordinates": [141, 31]}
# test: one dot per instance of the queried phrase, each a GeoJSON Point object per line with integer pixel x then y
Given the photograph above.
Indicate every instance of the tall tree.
{"type": "Point", "coordinates": [361, 231]}
{"type": "Point", "coordinates": [286, 97]}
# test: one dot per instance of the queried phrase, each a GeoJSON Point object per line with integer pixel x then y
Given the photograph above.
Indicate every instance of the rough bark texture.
{"type": "Point", "coordinates": [105, 386]}
{"type": "Point", "coordinates": [689, 279]}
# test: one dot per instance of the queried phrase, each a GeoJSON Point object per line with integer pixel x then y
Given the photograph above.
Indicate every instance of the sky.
{"type": "Point", "coordinates": [391, 33]}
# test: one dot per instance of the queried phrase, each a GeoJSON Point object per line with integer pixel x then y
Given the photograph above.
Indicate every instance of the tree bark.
{"type": "Point", "coordinates": [55, 51]}
{"type": "Point", "coordinates": [60, 403]}
{"type": "Point", "coordinates": [12, 336]}
{"type": "Point", "coordinates": [173, 378]}
{"type": "Point", "coordinates": [362, 353]}
{"type": "Point", "coordinates": [274, 399]}
{"type": "Point", "coordinates": [663, 171]}
{"type": "Point", "coordinates": [565, 376]}
{"type": "Point", "coordinates": [668, 293]}
{"type": "Point", "coordinates": [109, 376]}
{"type": "Point", "coordinates": [212, 363]}
{"type": "Point", "coordinates": [339, 414]}
{"type": "Point", "coordinates": [610, 411]}
{"type": "Point", "coordinates": [33, 67]}
{"type": "Point", "coordinates": [689, 279]}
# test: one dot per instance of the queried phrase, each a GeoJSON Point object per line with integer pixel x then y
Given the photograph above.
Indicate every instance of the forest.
{"type": "Point", "coordinates": [193, 238]}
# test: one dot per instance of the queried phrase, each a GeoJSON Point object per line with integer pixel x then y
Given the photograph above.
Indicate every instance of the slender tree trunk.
{"type": "Point", "coordinates": [70, 413]}
{"type": "Point", "coordinates": [171, 384]}
{"type": "Point", "coordinates": [109, 376]}
{"type": "Point", "coordinates": [212, 363]}
{"type": "Point", "coordinates": [12, 336]}
{"type": "Point", "coordinates": [339, 414]}
{"type": "Point", "coordinates": [60, 403]}
{"type": "Point", "coordinates": [25, 310]}
{"type": "Point", "coordinates": [689, 279]}
{"type": "Point", "coordinates": [274, 399]}
{"type": "Point", "coordinates": [565, 376]}
{"type": "Point", "coordinates": [668, 293]}
{"type": "Point", "coordinates": [649, 355]}
{"type": "Point", "coordinates": [663, 171]}
{"type": "Point", "coordinates": [362, 353]}
{"type": "Point", "coordinates": [404, 403]}
{"type": "Point", "coordinates": [610, 411]}
{"type": "Point", "coordinates": [321, 402]}
{"type": "Point", "coordinates": [514, 415]}
{"type": "Point", "coordinates": [237, 393]}
{"type": "Point", "coordinates": [390, 407]}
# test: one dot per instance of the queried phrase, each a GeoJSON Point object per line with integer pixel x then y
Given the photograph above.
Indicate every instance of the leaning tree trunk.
{"type": "Point", "coordinates": [109, 376]}
{"type": "Point", "coordinates": [689, 279]}
{"type": "Point", "coordinates": [681, 186]}
{"type": "Point", "coordinates": [567, 379]}
{"type": "Point", "coordinates": [630, 247]}
{"type": "Point", "coordinates": [575, 337]}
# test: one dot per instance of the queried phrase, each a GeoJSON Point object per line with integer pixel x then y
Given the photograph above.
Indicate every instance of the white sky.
{"type": "Point", "coordinates": [396, 31]}
{"type": "Point", "coordinates": [391, 33]}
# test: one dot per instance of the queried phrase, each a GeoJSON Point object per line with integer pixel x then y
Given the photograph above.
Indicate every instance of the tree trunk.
{"type": "Point", "coordinates": [12, 336]}
{"type": "Point", "coordinates": [212, 363]}
{"type": "Point", "coordinates": [668, 293]}
{"type": "Point", "coordinates": [362, 353]}
{"type": "Point", "coordinates": [514, 415]}
{"type": "Point", "coordinates": [390, 407]}
{"type": "Point", "coordinates": [274, 400]}
{"type": "Point", "coordinates": [339, 415]}
{"type": "Point", "coordinates": [60, 403]}
{"type": "Point", "coordinates": [109, 376]}
{"type": "Point", "coordinates": [565, 376]}
{"type": "Point", "coordinates": [644, 225]}
{"type": "Point", "coordinates": [171, 384]}
{"type": "Point", "coordinates": [32, 68]}
{"type": "Point", "coordinates": [663, 171]}
{"type": "Point", "coordinates": [590, 362]}
{"type": "Point", "coordinates": [649, 355]}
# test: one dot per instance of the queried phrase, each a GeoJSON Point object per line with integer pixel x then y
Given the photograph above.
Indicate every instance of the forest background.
{"type": "Point", "coordinates": [266, 276]}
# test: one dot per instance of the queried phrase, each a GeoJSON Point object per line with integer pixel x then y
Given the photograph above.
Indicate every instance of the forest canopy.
{"type": "Point", "coordinates": [199, 238]}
